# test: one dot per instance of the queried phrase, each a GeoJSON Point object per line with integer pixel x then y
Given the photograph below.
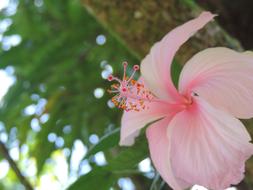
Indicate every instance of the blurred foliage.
{"type": "Point", "coordinates": [59, 97]}
{"type": "Point", "coordinates": [58, 66]}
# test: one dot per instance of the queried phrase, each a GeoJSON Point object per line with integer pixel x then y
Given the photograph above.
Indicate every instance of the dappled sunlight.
{"type": "Point", "coordinates": [6, 81]}
{"type": "Point", "coordinates": [4, 168]}
{"type": "Point", "coordinates": [99, 158]}
{"type": "Point", "coordinates": [101, 39]}
{"type": "Point", "coordinates": [94, 139]}
{"type": "Point", "coordinates": [126, 184]}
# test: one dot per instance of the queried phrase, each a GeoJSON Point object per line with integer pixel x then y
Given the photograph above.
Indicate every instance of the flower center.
{"type": "Point", "coordinates": [130, 94]}
{"type": "Point", "coordinates": [188, 99]}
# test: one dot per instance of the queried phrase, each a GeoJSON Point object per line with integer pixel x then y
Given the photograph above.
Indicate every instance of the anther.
{"type": "Point", "coordinates": [130, 94]}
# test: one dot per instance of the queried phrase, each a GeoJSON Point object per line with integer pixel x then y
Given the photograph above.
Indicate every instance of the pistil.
{"type": "Point", "coordinates": [130, 94]}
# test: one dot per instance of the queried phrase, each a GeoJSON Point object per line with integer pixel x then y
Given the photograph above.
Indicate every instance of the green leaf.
{"type": "Point", "coordinates": [97, 179]}
{"type": "Point", "coordinates": [110, 140]}
{"type": "Point", "coordinates": [129, 157]}
{"type": "Point", "coordinates": [175, 72]}
{"type": "Point", "coordinates": [157, 183]}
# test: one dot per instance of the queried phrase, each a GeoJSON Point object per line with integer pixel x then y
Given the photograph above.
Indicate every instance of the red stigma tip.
{"type": "Point", "coordinates": [110, 78]}
{"type": "Point", "coordinates": [136, 67]}
{"type": "Point", "coordinates": [125, 63]}
{"type": "Point", "coordinates": [124, 89]}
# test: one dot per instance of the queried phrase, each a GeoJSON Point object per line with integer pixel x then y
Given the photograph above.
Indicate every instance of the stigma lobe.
{"type": "Point", "coordinates": [130, 94]}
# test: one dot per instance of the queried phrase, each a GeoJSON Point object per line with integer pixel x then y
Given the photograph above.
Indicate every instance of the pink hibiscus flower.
{"type": "Point", "coordinates": [195, 136]}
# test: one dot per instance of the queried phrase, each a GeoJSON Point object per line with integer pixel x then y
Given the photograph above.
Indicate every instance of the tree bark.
{"type": "Point", "coordinates": [141, 23]}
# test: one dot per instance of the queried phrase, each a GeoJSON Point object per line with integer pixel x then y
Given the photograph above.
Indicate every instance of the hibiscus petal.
{"type": "Point", "coordinates": [159, 147]}
{"type": "Point", "coordinates": [132, 121]}
{"type": "Point", "coordinates": [223, 77]}
{"type": "Point", "coordinates": [208, 147]}
{"type": "Point", "coordinates": [155, 67]}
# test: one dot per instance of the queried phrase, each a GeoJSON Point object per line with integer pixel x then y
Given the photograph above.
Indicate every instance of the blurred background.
{"type": "Point", "coordinates": [58, 126]}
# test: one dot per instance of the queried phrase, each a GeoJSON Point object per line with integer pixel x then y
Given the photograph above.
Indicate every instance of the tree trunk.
{"type": "Point", "coordinates": [141, 23]}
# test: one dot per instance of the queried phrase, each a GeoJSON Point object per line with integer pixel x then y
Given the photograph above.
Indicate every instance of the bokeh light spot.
{"type": "Point", "coordinates": [101, 39]}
